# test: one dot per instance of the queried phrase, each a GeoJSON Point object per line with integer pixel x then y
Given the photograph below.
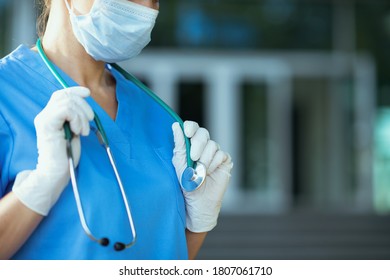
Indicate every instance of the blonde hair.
{"type": "Point", "coordinates": [44, 6]}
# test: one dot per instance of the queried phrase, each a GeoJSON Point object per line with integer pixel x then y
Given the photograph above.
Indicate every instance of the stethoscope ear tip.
{"type": "Point", "coordinates": [118, 246]}
{"type": "Point", "coordinates": [193, 178]}
{"type": "Point", "coordinates": [104, 241]}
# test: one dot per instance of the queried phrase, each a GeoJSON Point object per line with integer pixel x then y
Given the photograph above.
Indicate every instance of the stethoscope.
{"type": "Point", "coordinates": [191, 179]}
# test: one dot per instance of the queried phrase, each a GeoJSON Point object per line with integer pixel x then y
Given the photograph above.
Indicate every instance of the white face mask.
{"type": "Point", "coordinates": [114, 30]}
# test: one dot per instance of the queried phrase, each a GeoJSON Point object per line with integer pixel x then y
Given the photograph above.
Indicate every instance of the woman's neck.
{"type": "Point", "coordinates": [64, 50]}
{"type": "Point", "coordinates": [74, 60]}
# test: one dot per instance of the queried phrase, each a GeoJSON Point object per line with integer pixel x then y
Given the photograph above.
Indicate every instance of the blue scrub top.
{"type": "Point", "coordinates": [142, 143]}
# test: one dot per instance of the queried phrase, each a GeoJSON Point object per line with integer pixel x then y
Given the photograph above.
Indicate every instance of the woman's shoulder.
{"type": "Point", "coordinates": [15, 57]}
{"type": "Point", "coordinates": [20, 63]}
{"type": "Point", "coordinates": [15, 66]}
{"type": "Point", "coordinates": [21, 72]}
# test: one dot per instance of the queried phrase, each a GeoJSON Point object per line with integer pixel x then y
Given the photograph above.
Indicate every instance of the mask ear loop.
{"type": "Point", "coordinates": [68, 7]}
{"type": "Point", "coordinates": [118, 246]}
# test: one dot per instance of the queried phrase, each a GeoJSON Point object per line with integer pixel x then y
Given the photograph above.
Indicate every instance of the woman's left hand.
{"type": "Point", "coordinates": [203, 205]}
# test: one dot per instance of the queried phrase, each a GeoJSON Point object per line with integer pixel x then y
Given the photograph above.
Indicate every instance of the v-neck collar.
{"type": "Point", "coordinates": [112, 128]}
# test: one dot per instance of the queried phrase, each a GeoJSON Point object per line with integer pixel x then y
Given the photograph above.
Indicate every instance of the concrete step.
{"type": "Point", "coordinates": [299, 236]}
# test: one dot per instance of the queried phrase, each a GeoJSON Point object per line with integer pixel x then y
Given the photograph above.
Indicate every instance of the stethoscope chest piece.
{"type": "Point", "coordinates": [193, 178]}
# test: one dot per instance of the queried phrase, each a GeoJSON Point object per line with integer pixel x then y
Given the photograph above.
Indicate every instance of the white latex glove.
{"type": "Point", "coordinates": [39, 189]}
{"type": "Point", "coordinates": [204, 204]}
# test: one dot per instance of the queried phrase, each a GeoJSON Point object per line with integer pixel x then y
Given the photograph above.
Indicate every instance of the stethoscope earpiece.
{"type": "Point", "coordinates": [119, 246]}
{"type": "Point", "coordinates": [104, 241]}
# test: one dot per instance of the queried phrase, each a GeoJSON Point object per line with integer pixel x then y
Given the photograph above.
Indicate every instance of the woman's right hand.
{"type": "Point", "coordinates": [39, 189]}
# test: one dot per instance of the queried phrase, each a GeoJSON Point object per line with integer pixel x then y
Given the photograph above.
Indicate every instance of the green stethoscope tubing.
{"type": "Point", "coordinates": [192, 178]}
{"type": "Point", "coordinates": [118, 246]}
{"type": "Point", "coordinates": [129, 77]}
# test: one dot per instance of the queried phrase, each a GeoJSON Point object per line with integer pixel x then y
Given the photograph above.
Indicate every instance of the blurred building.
{"type": "Point", "coordinates": [297, 91]}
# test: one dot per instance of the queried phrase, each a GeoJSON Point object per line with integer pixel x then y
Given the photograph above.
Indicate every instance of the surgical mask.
{"type": "Point", "coordinates": [114, 30]}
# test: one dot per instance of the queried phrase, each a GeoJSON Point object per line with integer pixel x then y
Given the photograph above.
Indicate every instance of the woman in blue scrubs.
{"type": "Point", "coordinates": [38, 213]}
